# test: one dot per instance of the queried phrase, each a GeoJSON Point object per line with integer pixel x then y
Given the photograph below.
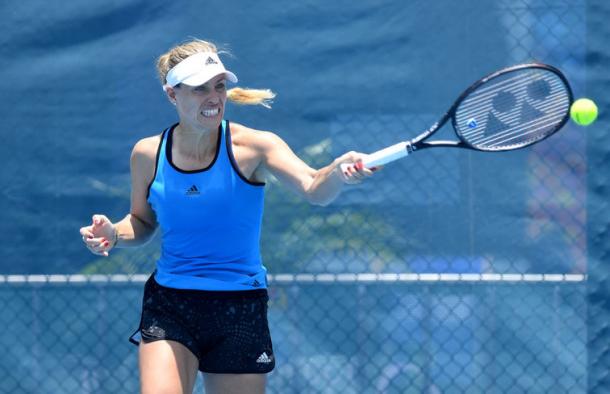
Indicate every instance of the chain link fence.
{"type": "Point", "coordinates": [434, 333]}
{"type": "Point", "coordinates": [450, 272]}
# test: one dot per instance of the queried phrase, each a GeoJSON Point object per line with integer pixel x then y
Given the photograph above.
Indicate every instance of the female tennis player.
{"type": "Point", "coordinates": [202, 182]}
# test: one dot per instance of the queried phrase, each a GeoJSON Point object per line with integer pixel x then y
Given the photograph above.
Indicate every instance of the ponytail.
{"type": "Point", "coordinates": [241, 96]}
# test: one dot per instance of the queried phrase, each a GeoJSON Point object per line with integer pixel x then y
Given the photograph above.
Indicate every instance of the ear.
{"type": "Point", "coordinates": [171, 94]}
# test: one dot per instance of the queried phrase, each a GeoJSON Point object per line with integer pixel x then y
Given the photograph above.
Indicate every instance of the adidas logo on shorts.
{"type": "Point", "coordinates": [264, 359]}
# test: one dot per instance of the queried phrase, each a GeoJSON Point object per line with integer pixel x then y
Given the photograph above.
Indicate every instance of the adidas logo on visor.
{"type": "Point", "coordinates": [210, 61]}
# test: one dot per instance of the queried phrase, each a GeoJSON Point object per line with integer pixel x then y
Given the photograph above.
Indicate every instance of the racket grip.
{"type": "Point", "coordinates": [384, 156]}
{"type": "Point", "coordinates": [387, 155]}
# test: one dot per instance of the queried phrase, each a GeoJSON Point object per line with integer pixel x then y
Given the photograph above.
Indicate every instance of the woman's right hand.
{"type": "Point", "coordinates": [100, 236]}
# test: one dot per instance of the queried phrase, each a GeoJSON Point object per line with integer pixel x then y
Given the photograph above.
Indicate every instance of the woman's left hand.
{"type": "Point", "coordinates": [352, 169]}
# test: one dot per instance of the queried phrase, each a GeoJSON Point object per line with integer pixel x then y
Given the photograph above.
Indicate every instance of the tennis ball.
{"type": "Point", "coordinates": [583, 111]}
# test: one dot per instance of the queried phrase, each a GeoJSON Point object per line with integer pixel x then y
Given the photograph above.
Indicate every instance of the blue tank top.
{"type": "Point", "coordinates": [210, 221]}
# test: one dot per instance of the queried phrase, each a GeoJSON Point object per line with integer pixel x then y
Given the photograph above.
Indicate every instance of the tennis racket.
{"type": "Point", "coordinates": [510, 109]}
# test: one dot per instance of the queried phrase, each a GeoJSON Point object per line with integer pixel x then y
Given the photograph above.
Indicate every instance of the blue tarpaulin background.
{"type": "Point", "coordinates": [79, 89]}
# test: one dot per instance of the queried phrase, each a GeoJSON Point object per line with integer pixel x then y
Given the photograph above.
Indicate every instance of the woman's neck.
{"type": "Point", "coordinates": [195, 144]}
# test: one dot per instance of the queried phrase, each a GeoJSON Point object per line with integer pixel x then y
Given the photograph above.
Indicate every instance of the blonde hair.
{"type": "Point", "coordinates": [237, 95]}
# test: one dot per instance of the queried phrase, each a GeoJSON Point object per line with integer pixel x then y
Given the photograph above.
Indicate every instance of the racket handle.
{"type": "Point", "coordinates": [384, 156]}
{"type": "Point", "coordinates": [387, 155]}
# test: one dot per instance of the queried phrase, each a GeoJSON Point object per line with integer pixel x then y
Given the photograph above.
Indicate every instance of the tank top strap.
{"type": "Point", "coordinates": [223, 149]}
{"type": "Point", "coordinates": [162, 153]}
{"type": "Point", "coordinates": [160, 160]}
{"type": "Point", "coordinates": [164, 138]}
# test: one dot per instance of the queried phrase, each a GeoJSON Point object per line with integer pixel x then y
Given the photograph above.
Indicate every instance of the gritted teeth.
{"type": "Point", "coordinates": [210, 112]}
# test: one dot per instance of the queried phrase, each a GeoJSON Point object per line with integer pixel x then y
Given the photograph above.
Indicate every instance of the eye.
{"type": "Point", "coordinates": [221, 86]}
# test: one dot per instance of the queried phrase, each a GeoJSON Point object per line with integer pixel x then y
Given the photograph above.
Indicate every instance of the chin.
{"type": "Point", "coordinates": [211, 122]}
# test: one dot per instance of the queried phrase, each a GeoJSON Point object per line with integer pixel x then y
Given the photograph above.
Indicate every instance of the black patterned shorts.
{"type": "Point", "coordinates": [226, 330]}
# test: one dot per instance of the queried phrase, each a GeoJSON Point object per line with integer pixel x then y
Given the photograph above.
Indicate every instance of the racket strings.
{"type": "Point", "coordinates": [538, 126]}
{"type": "Point", "coordinates": [527, 132]}
{"type": "Point", "coordinates": [513, 110]}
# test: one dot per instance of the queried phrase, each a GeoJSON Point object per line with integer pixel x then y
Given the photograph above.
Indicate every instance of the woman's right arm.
{"type": "Point", "coordinates": [140, 224]}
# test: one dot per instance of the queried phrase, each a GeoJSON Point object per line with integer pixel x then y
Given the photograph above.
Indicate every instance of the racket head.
{"type": "Point", "coordinates": [513, 108]}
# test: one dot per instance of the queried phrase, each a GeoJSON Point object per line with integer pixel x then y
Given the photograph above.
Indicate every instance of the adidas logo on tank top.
{"type": "Point", "coordinates": [192, 191]}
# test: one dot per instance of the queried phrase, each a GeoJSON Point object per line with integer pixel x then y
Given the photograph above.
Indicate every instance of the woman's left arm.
{"type": "Point", "coordinates": [319, 187]}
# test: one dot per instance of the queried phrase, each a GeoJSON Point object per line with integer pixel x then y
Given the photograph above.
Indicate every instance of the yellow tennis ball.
{"type": "Point", "coordinates": [583, 111]}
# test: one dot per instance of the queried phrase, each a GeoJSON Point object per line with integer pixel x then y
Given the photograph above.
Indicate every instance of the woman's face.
{"type": "Point", "coordinates": [202, 106]}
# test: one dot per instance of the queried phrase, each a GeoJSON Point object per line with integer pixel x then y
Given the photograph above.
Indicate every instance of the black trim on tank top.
{"type": "Point", "coordinates": [234, 162]}
{"type": "Point", "coordinates": [168, 152]}
{"type": "Point", "coordinates": [157, 159]}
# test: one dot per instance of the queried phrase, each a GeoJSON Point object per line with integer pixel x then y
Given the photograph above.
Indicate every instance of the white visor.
{"type": "Point", "coordinates": [197, 69]}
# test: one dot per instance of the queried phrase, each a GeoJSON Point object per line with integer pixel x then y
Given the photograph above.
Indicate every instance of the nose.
{"type": "Point", "coordinates": [213, 98]}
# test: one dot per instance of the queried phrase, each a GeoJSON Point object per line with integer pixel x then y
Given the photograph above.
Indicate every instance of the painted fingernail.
{"type": "Point", "coordinates": [106, 243]}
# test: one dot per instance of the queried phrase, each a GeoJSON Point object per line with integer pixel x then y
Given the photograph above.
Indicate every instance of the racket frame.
{"type": "Point", "coordinates": [405, 148]}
